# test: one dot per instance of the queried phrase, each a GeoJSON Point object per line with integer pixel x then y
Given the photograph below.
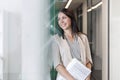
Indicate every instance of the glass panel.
{"type": "Point", "coordinates": [97, 32]}
{"type": "Point", "coordinates": [94, 36]}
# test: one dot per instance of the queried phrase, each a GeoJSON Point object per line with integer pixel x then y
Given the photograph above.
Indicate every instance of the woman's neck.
{"type": "Point", "coordinates": [68, 32]}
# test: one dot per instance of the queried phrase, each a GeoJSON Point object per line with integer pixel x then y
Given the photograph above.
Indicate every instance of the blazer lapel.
{"type": "Point", "coordinates": [66, 50]}
{"type": "Point", "coordinates": [82, 50]}
{"type": "Point", "coordinates": [66, 47]}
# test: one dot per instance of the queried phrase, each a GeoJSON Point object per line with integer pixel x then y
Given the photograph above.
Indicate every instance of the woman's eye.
{"type": "Point", "coordinates": [61, 18]}
{"type": "Point", "coordinates": [64, 17]}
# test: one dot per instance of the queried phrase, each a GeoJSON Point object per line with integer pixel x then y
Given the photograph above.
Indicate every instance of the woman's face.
{"type": "Point", "coordinates": [64, 21]}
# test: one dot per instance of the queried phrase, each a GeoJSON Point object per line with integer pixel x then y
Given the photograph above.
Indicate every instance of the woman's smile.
{"type": "Point", "coordinates": [64, 21]}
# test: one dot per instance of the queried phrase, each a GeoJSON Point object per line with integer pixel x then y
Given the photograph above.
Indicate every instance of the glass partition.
{"type": "Point", "coordinates": [94, 29]}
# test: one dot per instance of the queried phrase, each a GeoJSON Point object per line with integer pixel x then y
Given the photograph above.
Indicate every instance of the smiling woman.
{"type": "Point", "coordinates": [89, 17]}
{"type": "Point", "coordinates": [70, 44]}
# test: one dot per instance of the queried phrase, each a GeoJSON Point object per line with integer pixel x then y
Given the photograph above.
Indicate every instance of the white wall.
{"type": "Point", "coordinates": [27, 26]}
{"type": "Point", "coordinates": [114, 39]}
{"type": "Point", "coordinates": [13, 6]}
{"type": "Point", "coordinates": [33, 32]}
{"type": "Point", "coordinates": [14, 45]}
{"type": "Point", "coordinates": [11, 10]}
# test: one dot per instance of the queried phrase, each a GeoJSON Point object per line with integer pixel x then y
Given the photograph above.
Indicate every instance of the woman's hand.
{"type": "Point", "coordinates": [62, 70]}
{"type": "Point", "coordinates": [88, 65]}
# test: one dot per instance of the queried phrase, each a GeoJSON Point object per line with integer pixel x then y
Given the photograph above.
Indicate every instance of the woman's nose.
{"type": "Point", "coordinates": [61, 21]}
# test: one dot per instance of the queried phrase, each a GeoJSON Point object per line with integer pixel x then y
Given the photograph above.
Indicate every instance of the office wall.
{"type": "Point", "coordinates": [14, 6]}
{"type": "Point", "coordinates": [27, 26]}
{"type": "Point", "coordinates": [11, 10]}
{"type": "Point", "coordinates": [114, 39]}
{"type": "Point", "coordinates": [35, 17]}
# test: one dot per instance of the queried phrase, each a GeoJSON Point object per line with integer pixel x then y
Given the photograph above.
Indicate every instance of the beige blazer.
{"type": "Point", "coordinates": [65, 49]}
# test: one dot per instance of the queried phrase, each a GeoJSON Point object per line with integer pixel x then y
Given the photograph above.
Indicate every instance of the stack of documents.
{"type": "Point", "coordinates": [77, 70]}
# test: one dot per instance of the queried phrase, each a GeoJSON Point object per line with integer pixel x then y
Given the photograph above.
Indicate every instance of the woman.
{"type": "Point", "coordinates": [70, 44]}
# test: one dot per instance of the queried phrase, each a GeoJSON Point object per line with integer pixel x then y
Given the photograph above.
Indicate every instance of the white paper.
{"type": "Point", "coordinates": [77, 70]}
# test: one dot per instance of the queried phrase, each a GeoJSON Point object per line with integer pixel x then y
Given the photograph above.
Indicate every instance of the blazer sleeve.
{"type": "Point", "coordinates": [88, 52]}
{"type": "Point", "coordinates": [56, 54]}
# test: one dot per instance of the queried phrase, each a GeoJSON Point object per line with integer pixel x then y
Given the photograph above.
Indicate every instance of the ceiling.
{"type": "Point", "coordinates": [61, 4]}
